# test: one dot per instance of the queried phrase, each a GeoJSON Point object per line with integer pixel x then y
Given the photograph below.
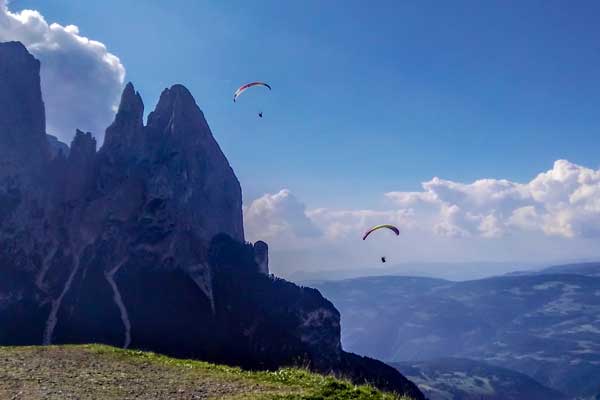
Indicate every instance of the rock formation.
{"type": "Point", "coordinates": [141, 244]}
{"type": "Point", "coordinates": [261, 256]}
{"type": "Point", "coordinates": [56, 147]}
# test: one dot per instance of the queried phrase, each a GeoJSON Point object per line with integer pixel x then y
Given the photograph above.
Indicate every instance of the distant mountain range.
{"type": "Point", "coordinates": [545, 324]}
{"type": "Point", "coordinates": [453, 271]}
{"type": "Point", "coordinates": [463, 379]}
{"type": "Point", "coordinates": [589, 269]}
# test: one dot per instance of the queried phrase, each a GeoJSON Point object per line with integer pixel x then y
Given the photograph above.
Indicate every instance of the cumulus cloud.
{"type": "Point", "coordinates": [554, 217]}
{"type": "Point", "coordinates": [81, 79]}
{"type": "Point", "coordinates": [278, 217]}
{"type": "Point", "coordinates": [302, 239]}
{"type": "Point", "coordinates": [282, 218]}
{"type": "Point", "coordinates": [562, 202]}
{"type": "Point", "coordinates": [342, 224]}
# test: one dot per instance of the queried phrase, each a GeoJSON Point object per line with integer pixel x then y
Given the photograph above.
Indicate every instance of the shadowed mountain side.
{"type": "Point", "coordinates": [141, 243]}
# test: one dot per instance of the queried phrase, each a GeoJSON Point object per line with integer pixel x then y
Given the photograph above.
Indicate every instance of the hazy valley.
{"type": "Point", "coordinates": [544, 324]}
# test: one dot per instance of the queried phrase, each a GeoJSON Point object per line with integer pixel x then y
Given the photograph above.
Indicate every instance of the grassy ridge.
{"type": "Point", "coordinates": [103, 372]}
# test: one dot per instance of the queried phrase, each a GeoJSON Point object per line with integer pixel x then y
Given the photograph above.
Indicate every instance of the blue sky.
{"type": "Point", "coordinates": [370, 102]}
{"type": "Point", "coordinates": [368, 98]}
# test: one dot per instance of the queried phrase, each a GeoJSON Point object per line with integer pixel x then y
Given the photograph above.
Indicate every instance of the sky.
{"type": "Point", "coordinates": [474, 126]}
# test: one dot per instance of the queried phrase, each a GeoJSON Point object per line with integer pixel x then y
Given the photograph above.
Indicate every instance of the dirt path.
{"type": "Point", "coordinates": [66, 373]}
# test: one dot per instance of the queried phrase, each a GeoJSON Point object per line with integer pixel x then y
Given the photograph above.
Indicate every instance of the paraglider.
{"type": "Point", "coordinates": [247, 86]}
{"type": "Point", "coordinates": [377, 227]}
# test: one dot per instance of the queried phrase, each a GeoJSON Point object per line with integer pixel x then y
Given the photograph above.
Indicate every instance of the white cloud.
{"type": "Point", "coordinates": [282, 218]}
{"type": "Point", "coordinates": [488, 219]}
{"type": "Point", "coordinates": [563, 201]}
{"type": "Point", "coordinates": [525, 218]}
{"type": "Point", "coordinates": [350, 224]}
{"type": "Point", "coordinates": [278, 218]}
{"type": "Point", "coordinates": [78, 74]}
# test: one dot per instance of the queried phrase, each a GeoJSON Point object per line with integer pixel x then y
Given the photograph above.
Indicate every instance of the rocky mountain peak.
{"type": "Point", "coordinates": [175, 106]}
{"type": "Point", "coordinates": [261, 256]}
{"type": "Point", "coordinates": [197, 175]}
{"type": "Point", "coordinates": [22, 118]}
{"type": "Point", "coordinates": [128, 122]}
{"type": "Point", "coordinates": [83, 145]}
{"type": "Point", "coordinates": [131, 108]}
{"type": "Point", "coordinates": [56, 147]}
{"type": "Point", "coordinates": [141, 244]}
{"type": "Point", "coordinates": [80, 167]}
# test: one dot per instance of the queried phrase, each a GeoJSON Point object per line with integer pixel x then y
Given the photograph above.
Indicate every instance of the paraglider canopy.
{"type": "Point", "coordinates": [377, 227]}
{"type": "Point", "coordinates": [247, 86]}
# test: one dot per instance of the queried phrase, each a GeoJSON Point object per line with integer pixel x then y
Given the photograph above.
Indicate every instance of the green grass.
{"type": "Point", "coordinates": [99, 371]}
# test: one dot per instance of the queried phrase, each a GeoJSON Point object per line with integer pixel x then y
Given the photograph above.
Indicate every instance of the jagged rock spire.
{"type": "Point", "coordinates": [22, 119]}
{"type": "Point", "coordinates": [128, 121]}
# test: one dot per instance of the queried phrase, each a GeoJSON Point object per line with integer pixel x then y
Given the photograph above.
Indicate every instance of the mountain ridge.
{"type": "Point", "coordinates": [140, 243]}
{"type": "Point", "coordinates": [542, 325]}
{"type": "Point", "coordinates": [464, 379]}
{"type": "Point", "coordinates": [99, 371]}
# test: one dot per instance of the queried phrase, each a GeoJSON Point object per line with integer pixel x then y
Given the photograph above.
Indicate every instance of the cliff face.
{"type": "Point", "coordinates": [141, 244]}
{"type": "Point", "coordinates": [23, 146]}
